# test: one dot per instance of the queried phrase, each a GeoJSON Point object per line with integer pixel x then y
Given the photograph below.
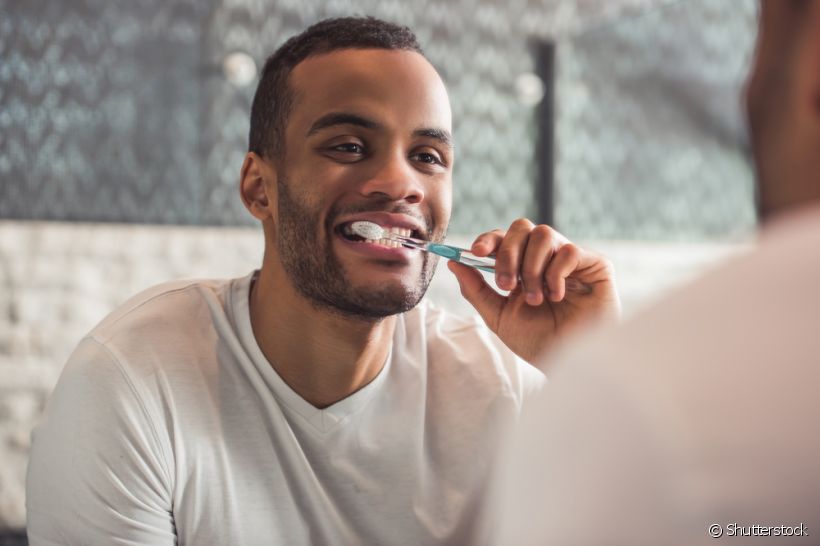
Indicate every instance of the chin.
{"type": "Point", "coordinates": [378, 301]}
{"type": "Point", "coordinates": [392, 295]}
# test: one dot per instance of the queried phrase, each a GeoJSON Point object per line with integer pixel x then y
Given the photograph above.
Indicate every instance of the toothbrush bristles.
{"type": "Point", "coordinates": [368, 230]}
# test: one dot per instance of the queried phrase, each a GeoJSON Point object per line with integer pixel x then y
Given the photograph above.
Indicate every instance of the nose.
{"type": "Point", "coordinates": [396, 180]}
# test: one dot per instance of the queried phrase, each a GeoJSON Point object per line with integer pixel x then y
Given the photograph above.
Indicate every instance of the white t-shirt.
{"type": "Point", "coordinates": [700, 415]}
{"type": "Point", "coordinates": [169, 425]}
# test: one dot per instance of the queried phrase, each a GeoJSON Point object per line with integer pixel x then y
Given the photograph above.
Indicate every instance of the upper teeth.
{"type": "Point", "coordinates": [404, 232]}
{"type": "Point", "coordinates": [386, 231]}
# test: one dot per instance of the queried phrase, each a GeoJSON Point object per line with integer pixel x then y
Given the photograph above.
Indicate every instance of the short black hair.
{"type": "Point", "coordinates": [274, 98]}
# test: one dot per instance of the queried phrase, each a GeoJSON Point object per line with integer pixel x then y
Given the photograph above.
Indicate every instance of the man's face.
{"type": "Point", "coordinates": [368, 138]}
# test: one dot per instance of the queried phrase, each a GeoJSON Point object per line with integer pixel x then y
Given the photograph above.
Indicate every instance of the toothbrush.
{"type": "Point", "coordinates": [374, 232]}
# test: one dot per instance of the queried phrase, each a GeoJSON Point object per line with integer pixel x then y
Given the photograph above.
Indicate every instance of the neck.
{"type": "Point", "coordinates": [324, 357]}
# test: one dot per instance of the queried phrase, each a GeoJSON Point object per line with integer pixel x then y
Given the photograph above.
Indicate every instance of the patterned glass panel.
{"type": "Point", "coordinates": [99, 110]}
{"type": "Point", "coordinates": [119, 111]}
{"type": "Point", "coordinates": [651, 140]}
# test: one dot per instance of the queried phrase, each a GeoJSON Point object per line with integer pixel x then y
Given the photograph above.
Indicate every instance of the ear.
{"type": "Point", "coordinates": [257, 177]}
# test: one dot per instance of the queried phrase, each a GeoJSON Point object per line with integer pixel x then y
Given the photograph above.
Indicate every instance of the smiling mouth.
{"type": "Point", "coordinates": [347, 233]}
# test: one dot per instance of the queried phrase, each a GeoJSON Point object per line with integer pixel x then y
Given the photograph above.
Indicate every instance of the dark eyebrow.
{"type": "Point", "coordinates": [439, 134]}
{"type": "Point", "coordinates": [346, 118]}
{"type": "Point", "coordinates": [341, 118]}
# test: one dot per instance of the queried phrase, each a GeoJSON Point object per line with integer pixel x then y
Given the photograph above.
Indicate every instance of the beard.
{"type": "Point", "coordinates": [315, 271]}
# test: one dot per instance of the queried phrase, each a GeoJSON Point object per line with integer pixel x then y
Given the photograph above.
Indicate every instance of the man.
{"type": "Point", "coordinates": [697, 420]}
{"type": "Point", "coordinates": [314, 401]}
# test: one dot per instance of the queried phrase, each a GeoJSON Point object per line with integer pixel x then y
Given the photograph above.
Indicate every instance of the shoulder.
{"type": "Point", "coordinates": [168, 303]}
{"type": "Point", "coordinates": [172, 329]}
{"type": "Point", "coordinates": [742, 334]}
{"type": "Point", "coordinates": [767, 297]}
{"type": "Point", "coordinates": [720, 369]}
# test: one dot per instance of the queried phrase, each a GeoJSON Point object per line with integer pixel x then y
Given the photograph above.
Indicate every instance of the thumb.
{"type": "Point", "coordinates": [481, 295]}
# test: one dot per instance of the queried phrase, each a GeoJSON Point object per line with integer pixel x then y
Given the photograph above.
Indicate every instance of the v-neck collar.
{"type": "Point", "coordinates": [322, 420]}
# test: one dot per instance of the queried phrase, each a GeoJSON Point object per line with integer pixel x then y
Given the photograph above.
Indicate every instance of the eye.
{"type": "Point", "coordinates": [344, 151]}
{"type": "Point", "coordinates": [429, 158]}
{"type": "Point", "coordinates": [348, 148]}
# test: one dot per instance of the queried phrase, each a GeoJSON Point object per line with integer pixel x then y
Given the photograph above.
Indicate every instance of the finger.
{"type": "Point", "coordinates": [510, 253]}
{"type": "Point", "coordinates": [486, 243]}
{"type": "Point", "coordinates": [565, 261]}
{"type": "Point", "coordinates": [481, 295]}
{"type": "Point", "coordinates": [539, 251]}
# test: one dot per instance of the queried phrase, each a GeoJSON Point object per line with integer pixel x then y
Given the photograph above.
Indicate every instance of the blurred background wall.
{"type": "Point", "coordinates": [123, 126]}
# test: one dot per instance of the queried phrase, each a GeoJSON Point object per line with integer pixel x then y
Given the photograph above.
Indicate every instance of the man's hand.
{"type": "Point", "coordinates": [554, 286]}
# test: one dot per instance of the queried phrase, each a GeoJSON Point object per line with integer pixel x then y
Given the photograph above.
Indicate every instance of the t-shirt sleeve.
{"type": "Point", "coordinates": [98, 472]}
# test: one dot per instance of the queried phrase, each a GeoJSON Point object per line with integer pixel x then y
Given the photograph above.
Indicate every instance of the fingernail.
{"type": "Point", "coordinates": [504, 280]}
{"type": "Point", "coordinates": [532, 298]}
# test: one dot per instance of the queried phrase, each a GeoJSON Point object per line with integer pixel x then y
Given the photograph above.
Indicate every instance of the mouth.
{"type": "Point", "coordinates": [346, 232]}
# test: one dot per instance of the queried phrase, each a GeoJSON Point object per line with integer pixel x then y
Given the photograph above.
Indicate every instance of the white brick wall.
{"type": "Point", "coordinates": [57, 280]}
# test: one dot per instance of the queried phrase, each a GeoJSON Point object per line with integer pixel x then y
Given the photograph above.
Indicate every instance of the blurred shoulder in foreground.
{"type": "Point", "coordinates": [698, 419]}
{"type": "Point", "coordinates": [700, 411]}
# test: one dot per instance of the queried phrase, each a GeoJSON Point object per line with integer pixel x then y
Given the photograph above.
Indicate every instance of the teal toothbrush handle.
{"type": "Point", "coordinates": [487, 263]}
{"type": "Point", "coordinates": [484, 263]}
{"type": "Point", "coordinates": [462, 255]}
